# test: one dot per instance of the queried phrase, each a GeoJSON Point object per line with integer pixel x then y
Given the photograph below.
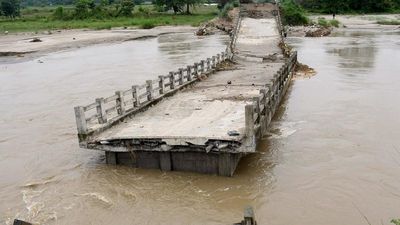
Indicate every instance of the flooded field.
{"type": "Point", "coordinates": [332, 155]}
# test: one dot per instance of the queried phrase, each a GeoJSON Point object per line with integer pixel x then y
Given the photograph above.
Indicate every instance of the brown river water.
{"type": "Point", "coordinates": [332, 155]}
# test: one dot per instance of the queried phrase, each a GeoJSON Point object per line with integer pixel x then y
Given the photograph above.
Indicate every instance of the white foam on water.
{"type": "Point", "coordinates": [33, 207]}
{"type": "Point", "coordinates": [284, 129]}
{"type": "Point", "coordinates": [98, 196]}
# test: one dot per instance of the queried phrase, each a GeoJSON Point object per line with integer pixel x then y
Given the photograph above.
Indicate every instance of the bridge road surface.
{"type": "Point", "coordinates": [215, 106]}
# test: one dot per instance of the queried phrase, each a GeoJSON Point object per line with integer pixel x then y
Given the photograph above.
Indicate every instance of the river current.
{"type": "Point", "coordinates": [332, 155]}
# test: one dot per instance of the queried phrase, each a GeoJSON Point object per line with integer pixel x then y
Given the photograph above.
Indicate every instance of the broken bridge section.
{"type": "Point", "coordinates": [202, 118]}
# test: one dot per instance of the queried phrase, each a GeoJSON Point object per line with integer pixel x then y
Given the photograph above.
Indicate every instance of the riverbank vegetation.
{"type": "Point", "coordinates": [350, 6]}
{"type": "Point", "coordinates": [389, 22]}
{"type": "Point", "coordinates": [327, 23]}
{"type": "Point", "coordinates": [295, 12]}
{"type": "Point", "coordinates": [105, 15]}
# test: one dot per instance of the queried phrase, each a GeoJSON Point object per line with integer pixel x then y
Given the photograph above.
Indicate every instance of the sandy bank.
{"type": "Point", "coordinates": [19, 44]}
{"type": "Point", "coordinates": [362, 21]}
{"type": "Point", "coordinates": [369, 21]}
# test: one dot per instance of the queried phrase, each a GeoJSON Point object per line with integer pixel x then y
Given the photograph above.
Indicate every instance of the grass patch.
{"type": "Point", "coordinates": [389, 22]}
{"type": "Point", "coordinates": [40, 18]}
{"type": "Point", "coordinates": [334, 23]}
{"type": "Point", "coordinates": [395, 221]}
{"type": "Point", "coordinates": [147, 25]}
{"type": "Point", "coordinates": [327, 23]}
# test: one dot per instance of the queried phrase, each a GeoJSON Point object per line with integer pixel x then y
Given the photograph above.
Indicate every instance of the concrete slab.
{"type": "Point", "coordinates": [258, 37]}
{"type": "Point", "coordinates": [208, 110]}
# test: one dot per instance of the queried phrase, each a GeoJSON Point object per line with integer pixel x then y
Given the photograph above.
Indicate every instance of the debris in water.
{"type": "Point", "coordinates": [20, 222]}
{"type": "Point", "coordinates": [233, 133]}
{"type": "Point", "coordinates": [320, 32]}
{"type": "Point", "coordinates": [97, 196]}
{"type": "Point", "coordinates": [304, 71]}
{"type": "Point", "coordinates": [36, 40]}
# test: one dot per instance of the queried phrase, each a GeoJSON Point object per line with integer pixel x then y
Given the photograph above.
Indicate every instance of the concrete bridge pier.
{"type": "Point", "coordinates": [219, 163]}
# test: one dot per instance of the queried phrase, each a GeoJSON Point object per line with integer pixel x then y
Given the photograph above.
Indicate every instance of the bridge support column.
{"type": "Point", "coordinates": [227, 163]}
{"type": "Point", "coordinates": [111, 158]}
{"type": "Point", "coordinates": [165, 161]}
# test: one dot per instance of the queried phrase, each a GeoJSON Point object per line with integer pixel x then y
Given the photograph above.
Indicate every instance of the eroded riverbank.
{"type": "Point", "coordinates": [24, 44]}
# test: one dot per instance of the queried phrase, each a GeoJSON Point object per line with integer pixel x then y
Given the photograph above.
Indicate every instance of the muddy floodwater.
{"type": "Point", "coordinates": [332, 155]}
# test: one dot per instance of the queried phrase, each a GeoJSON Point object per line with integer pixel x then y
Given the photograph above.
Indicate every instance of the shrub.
{"type": "Point", "coordinates": [235, 3]}
{"type": "Point", "coordinates": [334, 23]}
{"type": "Point", "coordinates": [323, 22]}
{"type": "Point", "coordinates": [224, 11]}
{"type": "Point", "coordinates": [389, 22]}
{"type": "Point", "coordinates": [126, 8]}
{"type": "Point", "coordinates": [327, 23]}
{"type": "Point", "coordinates": [59, 13]}
{"type": "Point", "coordinates": [147, 25]}
{"type": "Point", "coordinates": [81, 9]}
{"type": "Point", "coordinates": [395, 221]}
{"type": "Point", "coordinates": [293, 13]}
{"type": "Point", "coordinates": [143, 10]}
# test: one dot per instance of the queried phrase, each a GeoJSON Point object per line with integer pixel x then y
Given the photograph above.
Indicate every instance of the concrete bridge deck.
{"type": "Point", "coordinates": [208, 125]}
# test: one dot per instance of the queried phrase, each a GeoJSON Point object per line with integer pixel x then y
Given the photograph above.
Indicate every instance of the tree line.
{"type": "Point", "coordinates": [97, 8]}
{"type": "Point", "coordinates": [10, 8]}
{"type": "Point", "coordinates": [346, 6]}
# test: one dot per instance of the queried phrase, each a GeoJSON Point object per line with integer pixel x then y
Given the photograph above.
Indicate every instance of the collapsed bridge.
{"type": "Point", "coordinates": [202, 118]}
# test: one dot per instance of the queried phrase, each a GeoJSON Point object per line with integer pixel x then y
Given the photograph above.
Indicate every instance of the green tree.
{"type": "Point", "coordinates": [10, 8]}
{"type": "Point", "coordinates": [126, 8]}
{"type": "Point", "coordinates": [59, 13]}
{"type": "Point", "coordinates": [367, 6]}
{"type": "Point", "coordinates": [293, 13]}
{"type": "Point", "coordinates": [178, 5]}
{"type": "Point", "coordinates": [82, 9]}
{"type": "Point", "coordinates": [191, 3]}
{"type": "Point", "coordinates": [175, 5]}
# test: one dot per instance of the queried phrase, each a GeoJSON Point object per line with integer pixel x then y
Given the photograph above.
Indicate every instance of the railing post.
{"type": "Point", "coordinates": [172, 80]}
{"type": "Point", "coordinates": [249, 120]}
{"type": "Point", "coordinates": [195, 71]}
{"type": "Point", "coordinates": [120, 102]}
{"type": "Point", "coordinates": [256, 101]}
{"type": "Point", "coordinates": [249, 218]}
{"type": "Point", "coordinates": [202, 66]}
{"type": "Point", "coordinates": [80, 118]}
{"type": "Point", "coordinates": [264, 97]}
{"type": "Point", "coordinates": [180, 76]}
{"type": "Point", "coordinates": [214, 64]}
{"type": "Point", "coordinates": [189, 73]}
{"type": "Point", "coordinates": [149, 89]}
{"type": "Point", "coordinates": [161, 85]}
{"type": "Point", "coordinates": [101, 110]}
{"type": "Point", "coordinates": [135, 95]}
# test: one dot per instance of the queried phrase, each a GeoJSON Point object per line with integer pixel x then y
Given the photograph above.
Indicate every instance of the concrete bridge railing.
{"type": "Point", "coordinates": [234, 36]}
{"type": "Point", "coordinates": [279, 20]}
{"type": "Point", "coordinates": [105, 111]}
{"type": "Point", "coordinates": [258, 115]}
